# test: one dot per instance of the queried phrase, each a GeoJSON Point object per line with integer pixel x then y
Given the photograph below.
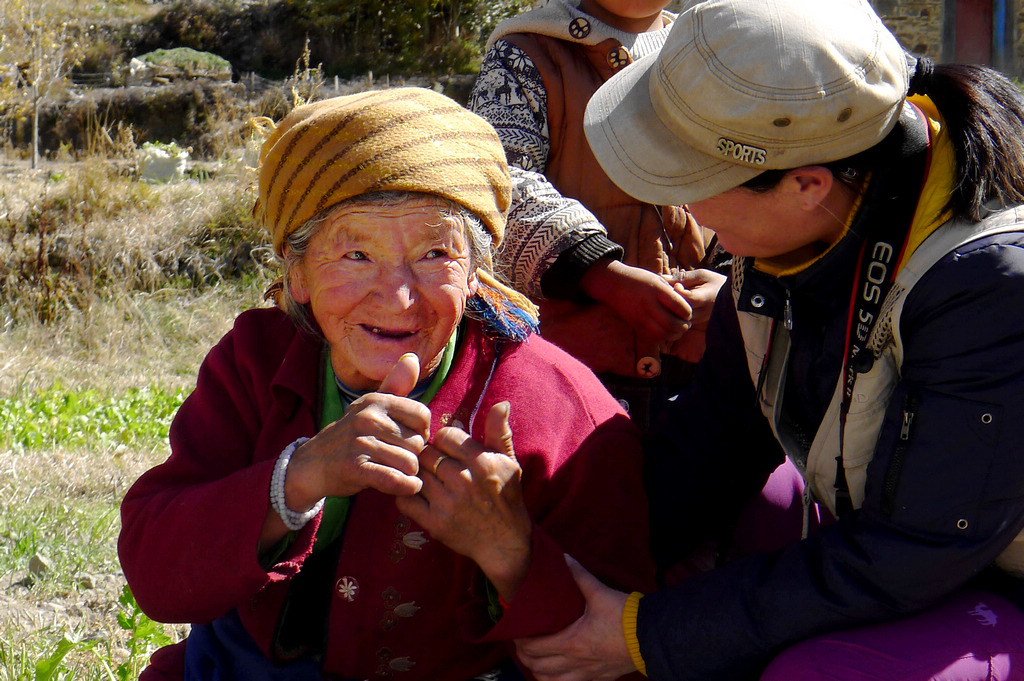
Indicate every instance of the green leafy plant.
{"type": "Point", "coordinates": [48, 667]}
{"type": "Point", "coordinates": [56, 417]}
{"type": "Point", "coordinates": [187, 59]}
{"type": "Point", "coordinates": [144, 635]}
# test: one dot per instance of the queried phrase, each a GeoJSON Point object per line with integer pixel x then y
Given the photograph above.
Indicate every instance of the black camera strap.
{"type": "Point", "coordinates": [885, 217]}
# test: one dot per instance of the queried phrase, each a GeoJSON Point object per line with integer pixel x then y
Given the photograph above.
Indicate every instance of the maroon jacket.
{"type": "Point", "coordinates": [191, 525]}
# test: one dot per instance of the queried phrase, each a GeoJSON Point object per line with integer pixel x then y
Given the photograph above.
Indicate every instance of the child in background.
{"type": "Point", "coordinates": [621, 284]}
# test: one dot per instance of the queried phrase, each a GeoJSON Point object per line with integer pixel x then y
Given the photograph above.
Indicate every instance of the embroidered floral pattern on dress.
{"type": "Point", "coordinates": [388, 663]}
{"type": "Point", "coordinates": [395, 609]}
{"type": "Point", "coordinates": [391, 597]}
{"type": "Point", "coordinates": [407, 609]}
{"type": "Point", "coordinates": [401, 664]}
{"type": "Point", "coordinates": [405, 539]}
{"type": "Point", "coordinates": [414, 540]}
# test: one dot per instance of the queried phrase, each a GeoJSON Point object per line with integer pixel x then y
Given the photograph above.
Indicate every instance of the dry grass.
{"type": "Point", "coordinates": [107, 279]}
{"type": "Point", "coordinates": [107, 284]}
{"type": "Point", "coordinates": [77, 231]}
{"type": "Point", "coordinates": [130, 340]}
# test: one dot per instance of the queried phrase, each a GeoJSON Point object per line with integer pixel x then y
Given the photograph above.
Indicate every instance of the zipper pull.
{"type": "Point", "coordinates": [908, 419]}
{"type": "Point", "coordinates": [787, 313]}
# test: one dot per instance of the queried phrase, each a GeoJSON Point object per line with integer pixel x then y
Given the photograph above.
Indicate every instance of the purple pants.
{"type": "Point", "coordinates": [970, 636]}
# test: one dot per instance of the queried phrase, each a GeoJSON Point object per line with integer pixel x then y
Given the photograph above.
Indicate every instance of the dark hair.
{"type": "Point", "coordinates": [851, 171]}
{"type": "Point", "coordinates": [984, 112]}
{"type": "Point", "coordinates": [984, 115]}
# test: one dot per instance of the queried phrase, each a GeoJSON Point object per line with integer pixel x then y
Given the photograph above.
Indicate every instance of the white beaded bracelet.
{"type": "Point", "coordinates": [292, 520]}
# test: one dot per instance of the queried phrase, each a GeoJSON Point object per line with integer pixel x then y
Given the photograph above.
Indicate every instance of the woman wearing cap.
{"type": "Point", "coordinates": [874, 336]}
{"type": "Point", "coordinates": [323, 513]}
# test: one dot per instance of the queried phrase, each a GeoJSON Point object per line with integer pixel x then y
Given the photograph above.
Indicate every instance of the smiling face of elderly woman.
{"type": "Point", "coordinates": [384, 278]}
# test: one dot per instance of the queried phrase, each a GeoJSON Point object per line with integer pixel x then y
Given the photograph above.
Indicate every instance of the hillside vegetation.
{"type": "Point", "coordinates": [58, 69]}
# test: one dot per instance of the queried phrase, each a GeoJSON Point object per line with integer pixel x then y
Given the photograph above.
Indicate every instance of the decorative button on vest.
{"type": "Point", "coordinates": [347, 588]}
{"type": "Point", "coordinates": [579, 28]}
{"type": "Point", "coordinates": [618, 58]}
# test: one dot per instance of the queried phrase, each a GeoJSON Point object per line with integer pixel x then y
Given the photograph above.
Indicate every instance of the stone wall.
{"type": "Point", "coordinates": [1018, 44]}
{"type": "Point", "coordinates": [919, 26]}
{"type": "Point", "coordinates": [916, 23]}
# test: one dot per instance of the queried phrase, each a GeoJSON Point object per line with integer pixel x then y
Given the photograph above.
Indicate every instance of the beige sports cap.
{"type": "Point", "coordinates": [744, 86]}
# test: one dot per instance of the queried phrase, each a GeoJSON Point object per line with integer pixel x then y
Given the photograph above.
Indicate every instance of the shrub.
{"type": "Point", "coordinates": [187, 59]}
{"type": "Point", "coordinates": [90, 231]}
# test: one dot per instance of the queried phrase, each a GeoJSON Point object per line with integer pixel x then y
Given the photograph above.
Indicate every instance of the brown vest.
{"type": "Point", "coordinates": [656, 238]}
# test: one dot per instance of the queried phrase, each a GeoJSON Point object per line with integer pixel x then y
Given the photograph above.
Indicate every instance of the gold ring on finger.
{"type": "Point", "coordinates": [438, 462]}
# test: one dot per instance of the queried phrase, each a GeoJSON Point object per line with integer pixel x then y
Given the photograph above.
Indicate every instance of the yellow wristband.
{"type": "Point", "coordinates": [629, 630]}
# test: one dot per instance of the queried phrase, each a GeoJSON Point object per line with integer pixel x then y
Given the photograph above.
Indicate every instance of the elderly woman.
{"type": "Point", "coordinates": [324, 512]}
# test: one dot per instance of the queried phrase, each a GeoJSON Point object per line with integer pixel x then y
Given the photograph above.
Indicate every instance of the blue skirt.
{"type": "Point", "coordinates": [224, 651]}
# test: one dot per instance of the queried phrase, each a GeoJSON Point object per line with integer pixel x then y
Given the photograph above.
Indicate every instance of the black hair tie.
{"type": "Point", "coordinates": [922, 78]}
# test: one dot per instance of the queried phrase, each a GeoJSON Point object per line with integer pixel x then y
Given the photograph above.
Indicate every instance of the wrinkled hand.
{"type": "Point", "coordinates": [590, 649]}
{"type": "Point", "coordinates": [647, 301]}
{"type": "Point", "coordinates": [472, 500]}
{"type": "Point", "coordinates": [376, 444]}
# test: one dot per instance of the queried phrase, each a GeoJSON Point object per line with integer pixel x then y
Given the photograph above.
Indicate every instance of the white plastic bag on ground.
{"type": "Point", "coordinates": [162, 163]}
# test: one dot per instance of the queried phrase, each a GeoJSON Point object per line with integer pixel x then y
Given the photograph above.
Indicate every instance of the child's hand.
{"type": "Point", "coordinates": [647, 301]}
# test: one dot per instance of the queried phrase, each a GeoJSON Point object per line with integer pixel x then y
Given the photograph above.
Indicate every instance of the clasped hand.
{"type": "Point", "coordinates": [472, 500]}
{"type": "Point", "coordinates": [465, 494]}
{"type": "Point", "coordinates": [647, 301]}
{"type": "Point", "coordinates": [375, 445]}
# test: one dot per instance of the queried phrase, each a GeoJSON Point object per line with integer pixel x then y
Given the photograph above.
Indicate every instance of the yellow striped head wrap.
{"type": "Point", "coordinates": [407, 139]}
{"type": "Point", "coordinates": [403, 139]}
